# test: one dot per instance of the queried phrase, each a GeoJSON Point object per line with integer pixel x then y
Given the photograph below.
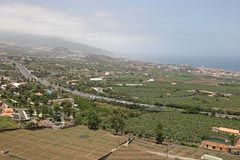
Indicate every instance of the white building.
{"type": "Point", "coordinates": [96, 79]}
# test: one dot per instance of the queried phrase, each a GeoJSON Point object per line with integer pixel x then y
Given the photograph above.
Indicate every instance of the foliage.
{"type": "Point", "coordinates": [159, 133]}
{"type": "Point", "coordinates": [93, 120]}
{"type": "Point", "coordinates": [81, 117]}
{"type": "Point", "coordinates": [189, 144]}
{"type": "Point", "coordinates": [16, 157]}
{"type": "Point", "coordinates": [67, 108]}
{"type": "Point", "coordinates": [233, 139]}
{"type": "Point", "coordinates": [7, 123]}
{"type": "Point", "coordinates": [31, 125]}
{"type": "Point", "coordinates": [117, 123]}
{"type": "Point", "coordinates": [177, 126]}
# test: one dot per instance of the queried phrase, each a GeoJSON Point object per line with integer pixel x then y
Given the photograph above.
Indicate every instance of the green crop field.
{"type": "Point", "coordinates": [170, 86]}
{"type": "Point", "coordinates": [166, 93]}
{"type": "Point", "coordinates": [178, 127]}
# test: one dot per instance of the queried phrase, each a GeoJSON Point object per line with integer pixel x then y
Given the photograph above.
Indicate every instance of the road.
{"type": "Point", "coordinates": [29, 76]}
{"type": "Point", "coordinates": [170, 156]}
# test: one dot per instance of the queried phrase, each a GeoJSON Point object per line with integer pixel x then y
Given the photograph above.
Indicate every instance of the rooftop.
{"type": "Point", "coordinates": [61, 100]}
{"type": "Point", "coordinates": [229, 130]}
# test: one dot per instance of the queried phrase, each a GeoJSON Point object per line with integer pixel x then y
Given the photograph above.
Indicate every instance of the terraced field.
{"type": "Point", "coordinates": [80, 143]}
{"type": "Point", "coordinates": [47, 144]}
{"type": "Point", "coordinates": [143, 150]}
{"type": "Point", "coordinates": [130, 153]}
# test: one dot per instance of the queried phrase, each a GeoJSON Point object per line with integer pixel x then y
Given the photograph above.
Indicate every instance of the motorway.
{"type": "Point", "coordinates": [29, 76]}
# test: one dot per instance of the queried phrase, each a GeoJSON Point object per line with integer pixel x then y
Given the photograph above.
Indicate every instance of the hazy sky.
{"type": "Point", "coordinates": [159, 30]}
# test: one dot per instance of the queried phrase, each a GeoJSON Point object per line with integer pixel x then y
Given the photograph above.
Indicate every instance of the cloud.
{"type": "Point", "coordinates": [100, 29]}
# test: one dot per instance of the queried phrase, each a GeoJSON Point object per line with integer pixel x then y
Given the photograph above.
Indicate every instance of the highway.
{"type": "Point", "coordinates": [29, 76]}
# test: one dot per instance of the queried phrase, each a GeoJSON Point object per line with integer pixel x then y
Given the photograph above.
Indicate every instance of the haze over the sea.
{"type": "Point", "coordinates": [224, 62]}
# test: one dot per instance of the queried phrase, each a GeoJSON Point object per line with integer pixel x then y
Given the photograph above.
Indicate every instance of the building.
{"type": "Point", "coordinates": [21, 115]}
{"type": "Point", "coordinates": [1, 103]}
{"type": "Point", "coordinates": [207, 92]}
{"type": "Point", "coordinates": [216, 144]}
{"type": "Point", "coordinates": [4, 87]}
{"type": "Point", "coordinates": [134, 85]}
{"type": "Point", "coordinates": [149, 80]}
{"type": "Point", "coordinates": [97, 89]}
{"type": "Point", "coordinates": [59, 101]}
{"type": "Point", "coordinates": [45, 123]}
{"type": "Point", "coordinates": [7, 112]}
{"type": "Point", "coordinates": [16, 85]}
{"type": "Point", "coordinates": [222, 145]}
{"type": "Point", "coordinates": [236, 148]}
{"type": "Point", "coordinates": [72, 82]}
{"type": "Point", "coordinates": [227, 130]}
{"type": "Point", "coordinates": [107, 74]}
{"type": "Point", "coordinates": [96, 79]}
{"type": "Point", "coordinates": [38, 94]}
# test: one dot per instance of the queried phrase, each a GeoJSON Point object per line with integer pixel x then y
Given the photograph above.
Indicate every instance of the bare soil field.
{"type": "Point", "coordinates": [80, 143]}
{"type": "Point", "coordinates": [144, 150]}
{"type": "Point", "coordinates": [48, 144]}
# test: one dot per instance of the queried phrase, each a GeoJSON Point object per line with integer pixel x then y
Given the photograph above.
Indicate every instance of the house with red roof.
{"type": "Point", "coordinates": [8, 112]}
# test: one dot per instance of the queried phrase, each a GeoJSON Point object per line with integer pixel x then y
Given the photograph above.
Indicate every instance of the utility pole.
{"type": "Point", "coordinates": [167, 150]}
{"type": "Point", "coordinates": [167, 146]}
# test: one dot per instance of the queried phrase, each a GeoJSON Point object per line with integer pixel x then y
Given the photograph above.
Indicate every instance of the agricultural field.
{"type": "Point", "coordinates": [9, 70]}
{"type": "Point", "coordinates": [81, 143]}
{"type": "Point", "coordinates": [180, 94]}
{"type": "Point", "coordinates": [71, 143]}
{"type": "Point", "coordinates": [169, 87]}
{"type": "Point", "coordinates": [178, 127]}
{"type": "Point", "coordinates": [144, 150]}
{"type": "Point", "coordinates": [132, 153]}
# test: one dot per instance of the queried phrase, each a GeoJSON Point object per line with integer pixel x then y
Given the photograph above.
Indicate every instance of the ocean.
{"type": "Point", "coordinates": [224, 63]}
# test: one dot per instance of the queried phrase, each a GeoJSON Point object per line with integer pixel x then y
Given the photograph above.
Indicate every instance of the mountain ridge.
{"type": "Point", "coordinates": [51, 42]}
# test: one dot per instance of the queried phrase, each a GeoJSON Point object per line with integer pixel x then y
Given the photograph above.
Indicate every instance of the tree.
{"type": "Point", "coordinates": [93, 120]}
{"type": "Point", "coordinates": [159, 133]}
{"type": "Point", "coordinates": [45, 100]}
{"type": "Point", "coordinates": [213, 113]}
{"type": "Point", "coordinates": [233, 139]}
{"type": "Point", "coordinates": [81, 117]}
{"type": "Point", "coordinates": [56, 108]}
{"type": "Point", "coordinates": [67, 108]}
{"type": "Point", "coordinates": [33, 108]}
{"type": "Point", "coordinates": [31, 125]}
{"type": "Point", "coordinates": [78, 118]}
{"type": "Point", "coordinates": [118, 123]}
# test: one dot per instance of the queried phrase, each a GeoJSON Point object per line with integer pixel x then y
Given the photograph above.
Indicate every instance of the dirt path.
{"type": "Point", "coordinates": [171, 156]}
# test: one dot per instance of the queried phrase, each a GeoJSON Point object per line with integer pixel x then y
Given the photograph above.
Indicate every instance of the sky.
{"type": "Point", "coordinates": [198, 32]}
